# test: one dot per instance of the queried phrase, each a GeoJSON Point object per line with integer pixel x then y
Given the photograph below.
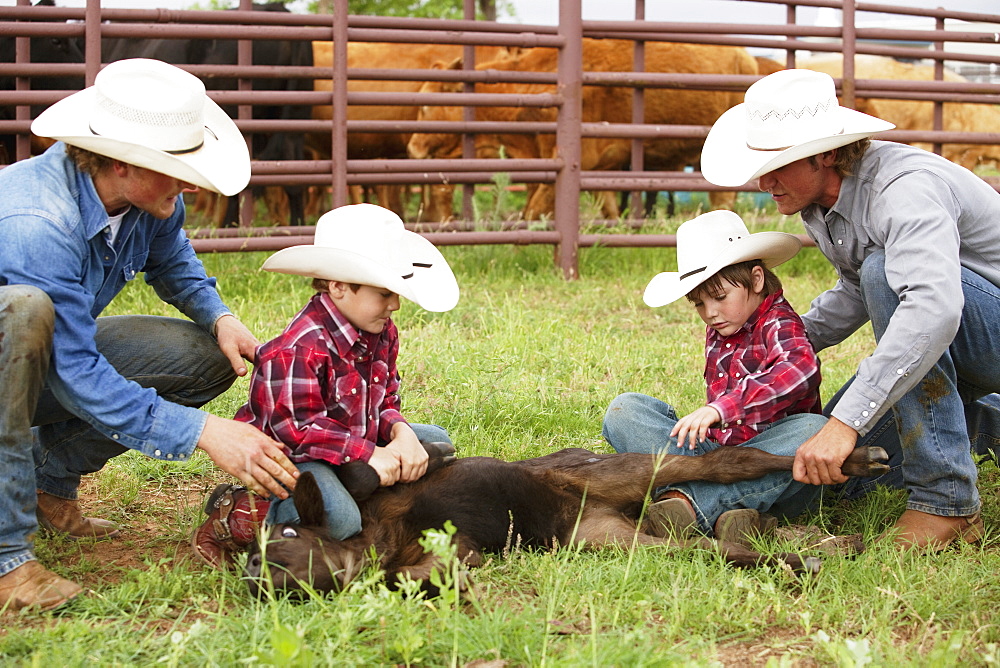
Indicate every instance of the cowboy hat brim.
{"type": "Point", "coordinates": [772, 248]}
{"type": "Point", "coordinates": [426, 280]}
{"type": "Point", "coordinates": [220, 164]}
{"type": "Point", "coordinates": [727, 160]}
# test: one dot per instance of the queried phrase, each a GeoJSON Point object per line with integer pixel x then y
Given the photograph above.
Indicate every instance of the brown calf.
{"type": "Point", "coordinates": [568, 497]}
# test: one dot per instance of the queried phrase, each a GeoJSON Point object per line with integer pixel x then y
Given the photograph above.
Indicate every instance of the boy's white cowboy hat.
{"type": "Point", "coordinates": [157, 116]}
{"type": "Point", "coordinates": [710, 242]}
{"type": "Point", "coordinates": [366, 244]}
{"type": "Point", "coordinates": [786, 116]}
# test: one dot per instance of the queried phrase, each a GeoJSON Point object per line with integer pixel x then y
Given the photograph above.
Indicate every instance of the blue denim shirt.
{"type": "Point", "coordinates": [51, 236]}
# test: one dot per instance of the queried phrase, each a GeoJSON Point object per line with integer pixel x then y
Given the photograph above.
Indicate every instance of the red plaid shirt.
{"type": "Point", "coordinates": [323, 389]}
{"type": "Point", "coordinates": [765, 371]}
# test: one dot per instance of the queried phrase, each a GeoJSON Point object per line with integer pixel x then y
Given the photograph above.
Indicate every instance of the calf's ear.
{"type": "Point", "coordinates": [309, 501]}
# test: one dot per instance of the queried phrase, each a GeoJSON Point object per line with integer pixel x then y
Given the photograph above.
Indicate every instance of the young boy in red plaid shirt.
{"type": "Point", "coordinates": [761, 373]}
{"type": "Point", "coordinates": [327, 387]}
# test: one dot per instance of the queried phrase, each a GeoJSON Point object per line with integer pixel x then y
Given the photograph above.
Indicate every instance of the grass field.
{"type": "Point", "coordinates": [524, 365]}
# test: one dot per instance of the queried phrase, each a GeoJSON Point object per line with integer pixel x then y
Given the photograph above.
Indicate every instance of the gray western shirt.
{"type": "Point", "coordinates": [931, 217]}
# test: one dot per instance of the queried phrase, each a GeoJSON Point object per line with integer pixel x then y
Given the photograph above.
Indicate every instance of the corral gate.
{"type": "Point", "coordinates": [93, 23]}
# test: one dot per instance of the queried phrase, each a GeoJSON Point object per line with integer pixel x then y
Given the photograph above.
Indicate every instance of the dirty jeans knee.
{"type": "Point", "coordinates": [938, 468]}
{"type": "Point", "coordinates": [26, 327]}
{"type": "Point", "coordinates": [185, 367]}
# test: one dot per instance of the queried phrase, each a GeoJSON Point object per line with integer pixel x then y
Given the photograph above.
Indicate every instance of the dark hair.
{"type": "Point", "coordinates": [323, 285]}
{"type": "Point", "coordinates": [88, 161]}
{"type": "Point", "coordinates": [741, 274]}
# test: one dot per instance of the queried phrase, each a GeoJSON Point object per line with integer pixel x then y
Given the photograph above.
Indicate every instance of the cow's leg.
{"type": "Point", "coordinates": [468, 556]}
{"type": "Point", "coordinates": [602, 527]}
{"type": "Point", "coordinates": [621, 479]}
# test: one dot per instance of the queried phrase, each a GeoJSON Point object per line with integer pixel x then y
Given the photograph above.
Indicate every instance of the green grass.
{"type": "Point", "coordinates": [525, 364]}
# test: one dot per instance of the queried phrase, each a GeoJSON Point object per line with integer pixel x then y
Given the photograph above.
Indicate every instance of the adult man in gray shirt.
{"type": "Point", "coordinates": [913, 238]}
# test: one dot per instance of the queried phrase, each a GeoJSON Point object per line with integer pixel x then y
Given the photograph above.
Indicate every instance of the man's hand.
{"type": "Point", "coordinates": [693, 427]}
{"type": "Point", "coordinates": [247, 453]}
{"type": "Point", "coordinates": [236, 342]}
{"type": "Point", "coordinates": [412, 455]}
{"type": "Point", "coordinates": [819, 459]}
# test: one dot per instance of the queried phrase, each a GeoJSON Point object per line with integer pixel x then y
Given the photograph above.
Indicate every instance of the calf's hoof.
{"type": "Point", "coordinates": [802, 565]}
{"type": "Point", "coordinates": [812, 565]}
{"type": "Point", "coordinates": [866, 462]}
{"type": "Point", "coordinates": [360, 479]}
{"type": "Point", "coordinates": [439, 454]}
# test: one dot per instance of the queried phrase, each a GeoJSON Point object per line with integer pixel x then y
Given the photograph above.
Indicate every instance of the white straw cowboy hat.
{"type": "Point", "coordinates": [710, 242]}
{"type": "Point", "coordinates": [366, 244]}
{"type": "Point", "coordinates": [147, 113]}
{"type": "Point", "coordinates": [786, 116]}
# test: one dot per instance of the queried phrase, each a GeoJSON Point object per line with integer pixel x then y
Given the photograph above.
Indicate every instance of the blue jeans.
{"type": "Point", "coordinates": [42, 445]}
{"type": "Point", "coordinates": [640, 423]}
{"type": "Point", "coordinates": [343, 519]}
{"type": "Point", "coordinates": [931, 432]}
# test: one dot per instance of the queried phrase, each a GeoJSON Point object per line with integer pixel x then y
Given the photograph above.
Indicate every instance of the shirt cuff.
{"type": "Point", "coordinates": [175, 433]}
{"type": "Point", "coordinates": [859, 408]}
{"type": "Point", "coordinates": [729, 411]}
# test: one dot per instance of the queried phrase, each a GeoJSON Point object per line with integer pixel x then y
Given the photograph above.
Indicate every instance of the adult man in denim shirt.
{"type": "Point", "coordinates": [913, 239]}
{"type": "Point", "coordinates": [77, 223]}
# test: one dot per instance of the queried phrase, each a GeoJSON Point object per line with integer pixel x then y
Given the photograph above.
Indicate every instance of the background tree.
{"type": "Point", "coordinates": [488, 10]}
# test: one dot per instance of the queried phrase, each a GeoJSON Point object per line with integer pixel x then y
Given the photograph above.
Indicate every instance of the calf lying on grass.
{"type": "Point", "coordinates": [567, 497]}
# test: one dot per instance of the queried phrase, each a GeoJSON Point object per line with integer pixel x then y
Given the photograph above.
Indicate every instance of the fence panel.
{"type": "Point", "coordinates": [34, 79]}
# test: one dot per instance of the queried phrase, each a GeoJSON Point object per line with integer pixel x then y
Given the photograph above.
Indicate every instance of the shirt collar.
{"type": "Point", "coordinates": [349, 342]}
{"type": "Point", "coordinates": [754, 318]}
{"type": "Point", "coordinates": [95, 216]}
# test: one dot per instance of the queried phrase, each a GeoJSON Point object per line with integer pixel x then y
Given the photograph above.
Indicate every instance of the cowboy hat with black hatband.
{"type": "Point", "coordinates": [366, 244]}
{"type": "Point", "coordinates": [711, 242]}
{"type": "Point", "coordinates": [786, 116]}
{"type": "Point", "coordinates": [153, 115]}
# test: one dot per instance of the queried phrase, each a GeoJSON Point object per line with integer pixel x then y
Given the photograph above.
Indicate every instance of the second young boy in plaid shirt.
{"type": "Point", "coordinates": [761, 373]}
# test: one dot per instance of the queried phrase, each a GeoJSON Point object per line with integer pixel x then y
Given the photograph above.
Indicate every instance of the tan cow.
{"type": "Point", "coordinates": [914, 115]}
{"type": "Point", "coordinates": [600, 104]}
{"type": "Point", "coordinates": [437, 202]}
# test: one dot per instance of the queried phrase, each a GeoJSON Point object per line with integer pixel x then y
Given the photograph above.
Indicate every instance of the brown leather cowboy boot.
{"type": "Point", "coordinates": [922, 531]}
{"type": "Point", "coordinates": [234, 517]}
{"type": "Point", "coordinates": [31, 585]}
{"type": "Point", "coordinates": [65, 517]}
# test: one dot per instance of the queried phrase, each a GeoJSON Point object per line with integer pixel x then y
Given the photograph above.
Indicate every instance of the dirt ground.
{"type": "Point", "coordinates": [154, 527]}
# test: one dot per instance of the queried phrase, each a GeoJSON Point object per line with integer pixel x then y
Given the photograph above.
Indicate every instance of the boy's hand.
{"type": "Point", "coordinates": [693, 427]}
{"type": "Point", "coordinates": [386, 464]}
{"type": "Point", "coordinates": [412, 455]}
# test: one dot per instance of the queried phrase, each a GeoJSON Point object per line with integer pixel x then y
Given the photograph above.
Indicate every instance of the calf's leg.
{"type": "Point", "coordinates": [622, 479]}
{"type": "Point", "coordinates": [599, 527]}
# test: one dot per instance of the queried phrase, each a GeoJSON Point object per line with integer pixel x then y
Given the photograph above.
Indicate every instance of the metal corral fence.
{"type": "Point", "coordinates": [37, 76]}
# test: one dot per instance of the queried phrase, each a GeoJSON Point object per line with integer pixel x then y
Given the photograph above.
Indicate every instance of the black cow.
{"type": "Point", "coordinates": [57, 50]}
{"type": "Point", "coordinates": [568, 497]}
{"type": "Point", "coordinates": [265, 146]}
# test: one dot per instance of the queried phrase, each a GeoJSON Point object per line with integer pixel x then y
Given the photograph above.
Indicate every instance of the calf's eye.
{"type": "Point", "coordinates": [289, 532]}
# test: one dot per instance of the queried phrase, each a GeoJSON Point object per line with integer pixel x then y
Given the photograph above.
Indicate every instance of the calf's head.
{"type": "Point", "coordinates": [295, 556]}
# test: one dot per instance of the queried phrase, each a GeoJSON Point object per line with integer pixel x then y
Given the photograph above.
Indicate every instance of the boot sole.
{"type": "Point", "coordinates": [671, 518]}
